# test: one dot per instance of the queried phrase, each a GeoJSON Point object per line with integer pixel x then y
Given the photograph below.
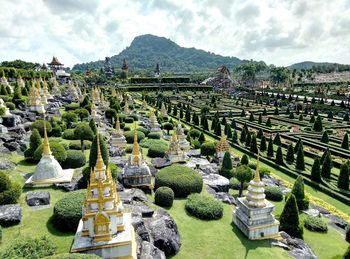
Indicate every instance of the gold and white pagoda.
{"type": "Point", "coordinates": [222, 147]}
{"type": "Point", "coordinates": [4, 82]}
{"type": "Point", "coordinates": [253, 213]}
{"type": "Point", "coordinates": [184, 144]}
{"type": "Point", "coordinates": [105, 228]}
{"type": "Point", "coordinates": [55, 88]}
{"type": "Point", "coordinates": [126, 108]}
{"type": "Point", "coordinates": [94, 114]}
{"type": "Point", "coordinates": [144, 104]}
{"type": "Point", "coordinates": [3, 105]}
{"type": "Point", "coordinates": [163, 111]}
{"type": "Point", "coordinates": [118, 138]}
{"type": "Point", "coordinates": [136, 172]}
{"type": "Point", "coordinates": [45, 91]}
{"type": "Point", "coordinates": [175, 154]}
{"type": "Point", "coordinates": [153, 123]}
{"type": "Point", "coordinates": [20, 81]}
{"type": "Point", "coordinates": [35, 101]}
{"type": "Point", "coordinates": [48, 171]}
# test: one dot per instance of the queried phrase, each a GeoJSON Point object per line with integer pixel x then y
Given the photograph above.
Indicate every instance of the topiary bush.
{"type": "Point", "coordinates": [157, 150]}
{"type": "Point", "coordinates": [164, 196]}
{"type": "Point", "coordinates": [76, 144]}
{"type": "Point", "coordinates": [273, 193]}
{"type": "Point", "coordinates": [39, 125]}
{"type": "Point", "coordinates": [128, 149]}
{"type": "Point", "coordinates": [154, 135]}
{"type": "Point", "coordinates": [67, 211]}
{"type": "Point", "coordinates": [69, 134]}
{"type": "Point", "coordinates": [10, 105]}
{"type": "Point", "coordinates": [236, 185]}
{"type": "Point", "coordinates": [204, 206]}
{"type": "Point", "coordinates": [144, 130]}
{"type": "Point", "coordinates": [129, 135]}
{"type": "Point", "coordinates": [181, 179]}
{"type": "Point", "coordinates": [129, 120]}
{"type": "Point", "coordinates": [315, 224]}
{"type": "Point", "coordinates": [9, 191]}
{"type": "Point", "coordinates": [75, 159]}
{"type": "Point", "coordinates": [56, 131]}
{"type": "Point", "coordinates": [58, 151]}
{"type": "Point", "coordinates": [29, 248]}
{"type": "Point", "coordinates": [347, 233]}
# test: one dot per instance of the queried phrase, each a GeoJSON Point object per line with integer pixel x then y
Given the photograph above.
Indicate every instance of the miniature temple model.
{"type": "Point", "coordinates": [35, 101]}
{"type": "Point", "coordinates": [49, 171]}
{"type": "Point", "coordinates": [7, 110]}
{"type": "Point", "coordinates": [163, 111]}
{"type": "Point", "coordinates": [253, 214]}
{"type": "Point", "coordinates": [153, 123]}
{"type": "Point", "coordinates": [105, 229]}
{"type": "Point", "coordinates": [136, 172]}
{"type": "Point", "coordinates": [126, 108]}
{"type": "Point", "coordinates": [157, 71]}
{"type": "Point", "coordinates": [222, 147]}
{"type": "Point", "coordinates": [175, 154]}
{"type": "Point", "coordinates": [118, 138]}
{"type": "Point", "coordinates": [184, 144]}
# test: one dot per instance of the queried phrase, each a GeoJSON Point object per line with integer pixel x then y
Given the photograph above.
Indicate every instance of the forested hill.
{"type": "Point", "coordinates": [147, 50]}
{"type": "Point", "coordinates": [324, 67]}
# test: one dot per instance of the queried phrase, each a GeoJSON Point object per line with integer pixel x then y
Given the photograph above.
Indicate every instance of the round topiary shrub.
{"type": "Point", "coordinates": [126, 128]}
{"type": "Point", "coordinates": [9, 191]}
{"type": "Point", "coordinates": [67, 211]}
{"type": "Point", "coordinates": [144, 130]}
{"type": "Point", "coordinates": [181, 179]}
{"type": "Point", "coordinates": [236, 185]}
{"type": "Point", "coordinates": [315, 224]}
{"type": "Point", "coordinates": [69, 134]}
{"type": "Point", "coordinates": [273, 193]}
{"type": "Point", "coordinates": [75, 159]}
{"type": "Point", "coordinates": [39, 125]}
{"type": "Point", "coordinates": [76, 144]}
{"type": "Point", "coordinates": [56, 131]}
{"type": "Point", "coordinates": [154, 135]}
{"type": "Point", "coordinates": [164, 196]}
{"type": "Point", "coordinates": [29, 247]}
{"type": "Point", "coordinates": [204, 206]}
{"type": "Point", "coordinates": [157, 151]}
{"type": "Point", "coordinates": [10, 105]}
{"type": "Point", "coordinates": [129, 120]}
{"type": "Point", "coordinates": [128, 149]}
{"type": "Point", "coordinates": [58, 151]}
{"type": "Point", "coordinates": [129, 135]}
{"type": "Point", "coordinates": [134, 116]}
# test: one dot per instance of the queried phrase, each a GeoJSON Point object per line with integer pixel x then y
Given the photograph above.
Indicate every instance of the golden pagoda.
{"type": "Point", "coordinates": [105, 229]}
{"type": "Point", "coordinates": [222, 147]}
{"type": "Point", "coordinates": [184, 144]}
{"type": "Point", "coordinates": [175, 154]}
{"type": "Point", "coordinates": [153, 123]}
{"type": "Point", "coordinates": [253, 214]}
{"type": "Point", "coordinates": [144, 104]}
{"type": "Point", "coordinates": [118, 139]}
{"type": "Point", "coordinates": [35, 101]}
{"type": "Point", "coordinates": [163, 111]}
{"type": "Point", "coordinates": [126, 107]}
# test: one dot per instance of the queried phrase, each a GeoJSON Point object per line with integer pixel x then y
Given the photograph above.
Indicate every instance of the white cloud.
{"type": "Point", "coordinates": [280, 32]}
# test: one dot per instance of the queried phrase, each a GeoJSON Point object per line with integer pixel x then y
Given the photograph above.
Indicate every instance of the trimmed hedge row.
{"type": "Point", "coordinates": [315, 224]}
{"type": "Point", "coordinates": [204, 207]}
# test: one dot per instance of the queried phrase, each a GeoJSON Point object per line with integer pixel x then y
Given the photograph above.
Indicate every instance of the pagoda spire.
{"type": "Point", "coordinates": [46, 144]}
{"type": "Point", "coordinates": [117, 124]}
{"type": "Point", "coordinates": [135, 150]}
{"type": "Point", "coordinates": [99, 161]}
{"type": "Point", "coordinates": [257, 171]}
{"type": "Point", "coordinates": [174, 136]}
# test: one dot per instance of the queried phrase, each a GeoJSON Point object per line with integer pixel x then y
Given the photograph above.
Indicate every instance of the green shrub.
{"type": "Point", "coordinates": [181, 179]}
{"type": "Point", "coordinates": [315, 224]}
{"type": "Point", "coordinates": [67, 211]}
{"type": "Point", "coordinates": [208, 148]}
{"type": "Point", "coordinates": [273, 193]}
{"type": "Point", "coordinates": [129, 120]}
{"type": "Point", "coordinates": [347, 233]}
{"type": "Point", "coordinates": [204, 206]}
{"type": "Point", "coordinates": [236, 185]}
{"type": "Point", "coordinates": [76, 145]}
{"type": "Point", "coordinates": [114, 170]}
{"type": "Point", "coordinates": [29, 248]}
{"type": "Point", "coordinates": [128, 149]}
{"type": "Point", "coordinates": [58, 151]}
{"type": "Point", "coordinates": [144, 130]}
{"type": "Point", "coordinates": [10, 105]}
{"type": "Point", "coordinates": [69, 134]}
{"type": "Point", "coordinates": [157, 151]}
{"type": "Point", "coordinates": [72, 106]}
{"type": "Point", "coordinates": [146, 143]}
{"type": "Point", "coordinates": [126, 128]}
{"type": "Point", "coordinates": [164, 196]}
{"type": "Point", "coordinates": [195, 143]}
{"type": "Point", "coordinates": [154, 135]}
{"type": "Point", "coordinates": [9, 191]}
{"type": "Point", "coordinates": [56, 131]}
{"type": "Point", "coordinates": [75, 159]}
{"type": "Point", "coordinates": [129, 135]}
{"type": "Point", "coordinates": [39, 125]}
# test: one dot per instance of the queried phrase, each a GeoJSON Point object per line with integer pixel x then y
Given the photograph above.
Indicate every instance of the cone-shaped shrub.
{"type": "Point", "coordinates": [300, 163]}
{"type": "Point", "coordinates": [345, 142]}
{"type": "Point", "coordinates": [270, 148]}
{"type": "Point", "coordinates": [343, 179]}
{"type": "Point", "coordinates": [279, 156]}
{"type": "Point", "coordinates": [298, 192]}
{"type": "Point", "coordinates": [289, 219]}
{"type": "Point", "coordinates": [325, 138]}
{"type": "Point", "coordinates": [290, 154]}
{"type": "Point", "coordinates": [316, 171]}
{"type": "Point", "coordinates": [263, 145]}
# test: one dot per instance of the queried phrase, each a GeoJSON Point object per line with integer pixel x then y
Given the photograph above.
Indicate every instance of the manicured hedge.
{"type": "Point", "coordinates": [164, 196]}
{"type": "Point", "coordinates": [57, 150]}
{"type": "Point", "coordinates": [157, 151]}
{"type": "Point", "coordinates": [204, 207]}
{"type": "Point", "coordinates": [181, 179]}
{"type": "Point", "coordinates": [144, 130]}
{"type": "Point", "coordinates": [154, 135]}
{"type": "Point", "coordinates": [67, 211]}
{"type": "Point", "coordinates": [75, 159]}
{"type": "Point", "coordinates": [129, 135]}
{"type": "Point", "coordinates": [315, 224]}
{"type": "Point", "coordinates": [129, 120]}
{"type": "Point", "coordinates": [273, 193]}
{"type": "Point", "coordinates": [76, 144]}
{"type": "Point", "coordinates": [9, 191]}
{"type": "Point", "coordinates": [69, 134]}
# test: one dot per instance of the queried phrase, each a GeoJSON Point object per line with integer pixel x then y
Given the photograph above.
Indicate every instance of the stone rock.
{"type": "Point", "coordinates": [209, 169]}
{"type": "Point", "coordinates": [4, 150]}
{"type": "Point", "coordinates": [164, 232]}
{"type": "Point", "coordinates": [298, 248]}
{"type": "Point", "coordinates": [312, 212]}
{"type": "Point", "coordinates": [159, 162]}
{"type": "Point", "coordinates": [320, 209]}
{"type": "Point", "coordinates": [38, 198]}
{"type": "Point", "coordinates": [146, 211]}
{"type": "Point", "coordinates": [75, 184]}
{"type": "Point", "coordinates": [153, 170]}
{"type": "Point", "coordinates": [6, 164]}
{"type": "Point", "coordinates": [11, 120]}
{"type": "Point", "coordinates": [129, 196]}
{"type": "Point", "coordinates": [113, 152]}
{"type": "Point", "coordinates": [195, 162]}
{"type": "Point", "coordinates": [3, 129]}
{"type": "Point", "coordinates": [225, 197]}
{"type": "Point", "coordinates": [7, 138]}
{"type": "Point", "coordinates": [18, 130]}
{"type": "Point", "coordinates": [149, 251]}
{"type": "Point", "coordinates": [10, 214]}
{"type": "Point", "coordinates": [210, 190]}
{"type": "Point", "coordinates": [12, 146]}
{"type": "Point", "coordinates": [194, 153]}
{"type": "Point", "coordinates": [119, 187]}
{"type": "Point", "coordinates": [118, 161]}
{"type": "Point", "coordinates": [217, 182]}
{"type": "Point", "coordinates": [337, 221]}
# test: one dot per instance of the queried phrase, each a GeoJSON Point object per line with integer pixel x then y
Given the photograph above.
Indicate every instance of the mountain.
{"type": "Point", "coordinates": [146, 51]}
{"type": "Point", "coordinates": [326, 66]}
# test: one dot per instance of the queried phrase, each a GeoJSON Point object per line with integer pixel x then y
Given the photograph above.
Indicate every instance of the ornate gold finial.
{"type": "Point", "coordinates": [99, 161]}
{"type": "Point", "coordinates": [135, 149]}
{"type": "Point", "coordinates": [174, 137]}
{"type": "Point", "coordinates": [223, 145]}
{"type": "Point", "coordinates": [46, 144]}
{"type": "Point", "coordinates": [117, 124]}
{"type": "Point", "coordinates": [257, 173]}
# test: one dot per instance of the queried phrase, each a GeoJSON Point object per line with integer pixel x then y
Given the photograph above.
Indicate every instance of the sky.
{"type": "Point", "coordinates": [280, 32]}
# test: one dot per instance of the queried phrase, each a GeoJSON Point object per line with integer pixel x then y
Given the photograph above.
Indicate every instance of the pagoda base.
{"type": "Point", "coordinates": [137, 176]}
{"type": "Point", "coordinates": [39, 109]}
{"type": "Point", "coordinates": [122, 245]}
{"type": "Point", "coordinates": [181, 158]}
{"type": "Point", "coordinates": [256, 223]}
{"type": "Point", "coordinates": [65, 178]}
{"type": "Point", "coordinates": [119, 142]}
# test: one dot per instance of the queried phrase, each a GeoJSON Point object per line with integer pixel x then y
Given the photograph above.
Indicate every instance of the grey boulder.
{"type": "Point", "coordinates": [38, 198]}
{"type": "Point", "coordinates": [10, 214]}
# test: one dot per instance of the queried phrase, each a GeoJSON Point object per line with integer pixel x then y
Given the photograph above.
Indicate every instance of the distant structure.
{"type": "Point", "coordinates": [35, 99]}
{"type": "Point", "coordinates": [105, 229]}
{"type": "Point", "coordinates": [222, 147]}
{"type": "Point", "coordinates": [221, 80]}
{"type": "Point", "coordinates": [118, 138]}
{"type": "Point", "coordinates": [153, 123]}
{"type": "Point", "coordinates": [107, 67]}
{"type": "Point", "coordinates": [157, 71]}
{"type": "Point", "coordinates": [253, 213]}
{"type": "Point", "coordinates": [55, 65]}
{"type": "Point", "coordinates": [125, 68]}
{"type": "Point", "coordinates": [57, 68]}
{"type": "Point", "coordinates": [175, 154]}
{"type": "Point", "coordinates": [184, 144]}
